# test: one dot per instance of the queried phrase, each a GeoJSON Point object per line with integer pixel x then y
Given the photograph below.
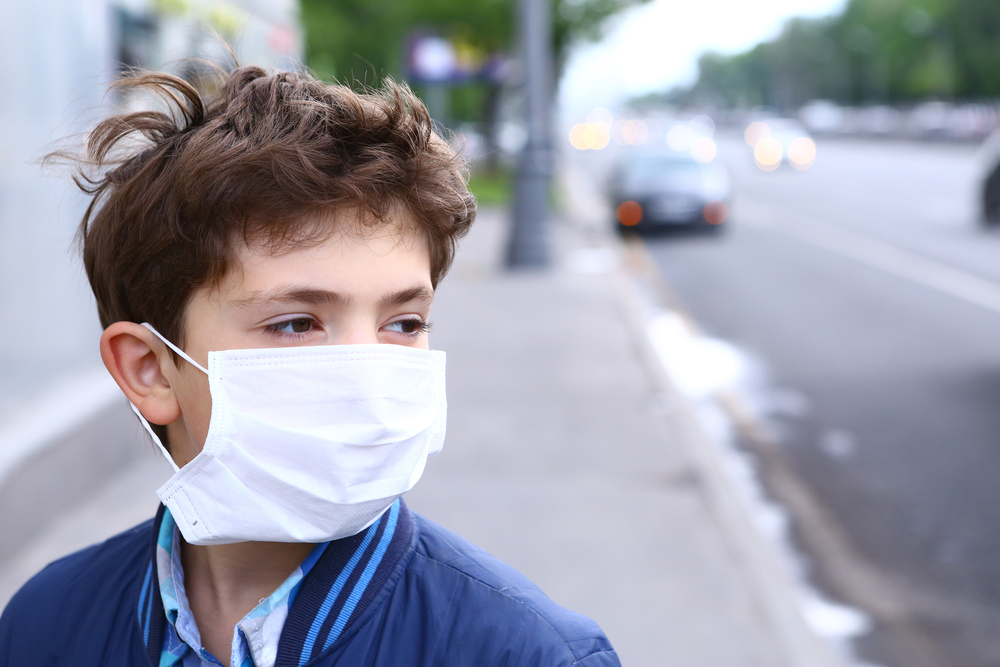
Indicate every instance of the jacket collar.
{"type": "Point", "coordinates": [332, 597]}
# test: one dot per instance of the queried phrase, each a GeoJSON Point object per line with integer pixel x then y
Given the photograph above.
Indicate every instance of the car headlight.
{"type": "Point", "coordinates": [802, 152]}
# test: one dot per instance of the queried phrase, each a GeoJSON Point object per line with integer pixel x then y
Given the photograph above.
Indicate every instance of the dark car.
{"type": "Point", "coordinates": [653, 191]}
{"type": "Point", "coordinates": [989, 181]}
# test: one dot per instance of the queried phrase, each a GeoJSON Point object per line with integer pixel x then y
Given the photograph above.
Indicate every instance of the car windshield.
{"type": "Point", "coordinates": [654, 170]}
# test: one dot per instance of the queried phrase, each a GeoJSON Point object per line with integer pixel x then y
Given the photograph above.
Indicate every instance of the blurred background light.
{"type": "Point", "coordinates": [597, 136]}
{"type": "Point", "coordinates": [755, 132]}
{"type": "Point", "coordinates": [703, 150]}
{"type": "Point", "coordinates": [802, 152]}
{"type": "Point", "coordinates": [702, 126]}
{"type": "Point", "coordinates": [767, 153]}
{"type": "Point", "coordinates": [680, 138]}
{"type": "Point", "coordinates": [433, 58]}
{"type": "Point", "coordinates": [576, 136]}
{"type": "Point", "coordinates": [592, 136]}
{"type": "Point", "coordinates": [634, 132]}
{"type": "Point", "coordinates": [616, 133]}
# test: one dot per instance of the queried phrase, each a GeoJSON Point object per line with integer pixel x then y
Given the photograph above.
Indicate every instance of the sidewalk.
{"type": "Point", "coordinates": [569, 456]}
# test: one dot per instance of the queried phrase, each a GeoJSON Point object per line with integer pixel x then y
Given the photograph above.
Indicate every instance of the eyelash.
{"type": "Point", "coordinates": [275, 328]}
{"type": "Point", "coordinates": [419, 325]}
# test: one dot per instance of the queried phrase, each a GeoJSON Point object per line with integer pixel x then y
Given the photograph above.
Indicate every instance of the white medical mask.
{"type": "Point", "coordinates": [307, 444]}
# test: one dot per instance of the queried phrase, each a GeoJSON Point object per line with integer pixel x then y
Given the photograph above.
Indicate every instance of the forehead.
{"type": "Point", "coordinates": [339, 249]}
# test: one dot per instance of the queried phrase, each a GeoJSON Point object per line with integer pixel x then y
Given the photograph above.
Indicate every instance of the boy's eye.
{"type": "Point", "coordinates": [298, 325]}
{"type": "Point", "coordinates": [410, 327]}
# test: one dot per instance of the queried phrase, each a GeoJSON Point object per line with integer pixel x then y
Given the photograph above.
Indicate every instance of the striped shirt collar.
{"type": "Point", "coordinates": [319, 607]}
{"type": "Point", "coordinates": [255, 637]}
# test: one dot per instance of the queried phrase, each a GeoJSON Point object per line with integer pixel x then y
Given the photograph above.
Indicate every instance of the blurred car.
{"type": "Point", "coordinates": [988, 177]}
{"type": "Point", "coordinates": [777, 141]}
{"type": "Point", "coordinates": [669, 190]}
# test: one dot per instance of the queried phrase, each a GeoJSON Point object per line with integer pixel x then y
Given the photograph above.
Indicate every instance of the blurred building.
{"type": "Point", "coordinates": [59, 57]}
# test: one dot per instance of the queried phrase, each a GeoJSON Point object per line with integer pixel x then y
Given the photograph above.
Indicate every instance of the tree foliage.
{"type": "Point", "coordinates": [360, 40]}
{"type": "Point", "coordinates": [885, 51]}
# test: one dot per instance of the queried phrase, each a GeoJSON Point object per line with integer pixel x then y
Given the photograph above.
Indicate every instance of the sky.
{"type": "Point", "coordinates": [656, 46]}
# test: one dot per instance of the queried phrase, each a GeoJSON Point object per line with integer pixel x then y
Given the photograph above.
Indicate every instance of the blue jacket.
{"type": "Point", "coordinates": [410, 594]}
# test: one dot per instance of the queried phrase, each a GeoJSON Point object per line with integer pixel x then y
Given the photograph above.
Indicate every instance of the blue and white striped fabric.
{"type": "Point", "coordinates": [344, 577]}
{"type": "Point", "coordinates": [361, 585]}
{"type": "Point", "coordinates": [255, 638]}
{"type": "Point", "coordinates": [342, 585]}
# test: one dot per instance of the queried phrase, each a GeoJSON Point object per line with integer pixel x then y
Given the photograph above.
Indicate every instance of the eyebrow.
{"type": "Point", "coordinates": [419, 293]}
{"type": "Point", "coordinates": [290, 295]}
{"type": "Point", "coordinates": [321, 297]}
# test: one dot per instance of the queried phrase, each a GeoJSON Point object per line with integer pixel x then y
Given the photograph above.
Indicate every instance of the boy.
{"type": "Point", "coordinates": [264, 264]}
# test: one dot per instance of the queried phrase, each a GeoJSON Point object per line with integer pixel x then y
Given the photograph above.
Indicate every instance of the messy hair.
{"type": "Point", "coordinates": [176, 190]}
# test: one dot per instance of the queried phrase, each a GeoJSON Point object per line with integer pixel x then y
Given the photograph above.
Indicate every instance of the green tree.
{"type": "Point", "coordinates": [882, 51]}
{"type": "Point", "coordinates": [363, 41]}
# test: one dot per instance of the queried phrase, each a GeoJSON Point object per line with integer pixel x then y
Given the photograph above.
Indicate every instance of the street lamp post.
{"type": "Point", "coordinates": [529, 244]}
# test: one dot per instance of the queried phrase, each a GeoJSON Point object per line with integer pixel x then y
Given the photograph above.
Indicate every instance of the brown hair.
{"type": "Point", "coordinates": [177, 189]}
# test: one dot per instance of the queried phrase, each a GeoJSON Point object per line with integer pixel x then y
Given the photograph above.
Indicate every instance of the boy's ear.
{"type": "Point", "coordinates": [136, 359]}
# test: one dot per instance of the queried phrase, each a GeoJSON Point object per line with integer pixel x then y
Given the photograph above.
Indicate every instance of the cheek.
{"type": "Point", "coordinates": [196, 407]}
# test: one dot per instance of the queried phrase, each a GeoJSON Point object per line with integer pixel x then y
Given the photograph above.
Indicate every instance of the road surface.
{"type": "Point", "coordinates": [870, 302]}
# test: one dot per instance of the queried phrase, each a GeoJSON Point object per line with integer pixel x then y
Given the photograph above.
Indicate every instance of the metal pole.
{"type": "Point", "coordinates": [529, 244]}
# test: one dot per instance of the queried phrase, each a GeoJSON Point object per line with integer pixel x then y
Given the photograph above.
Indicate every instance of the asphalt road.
{"type": "Point", "coordinates": [870, 301]}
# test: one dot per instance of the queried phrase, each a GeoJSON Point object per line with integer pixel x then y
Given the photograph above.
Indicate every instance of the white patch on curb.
{"type": "Point", "coordinates": [834, 621]}
{"type": "Point", "coordinates": [56, 413]}
{"type": "Point", "coordinates": [700, 368]}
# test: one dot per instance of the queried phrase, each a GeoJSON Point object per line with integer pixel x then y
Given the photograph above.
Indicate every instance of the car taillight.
{"type": "Point", "coordinates": [629, 213]}
{"type": "Point", "coordinates": [715, 212]}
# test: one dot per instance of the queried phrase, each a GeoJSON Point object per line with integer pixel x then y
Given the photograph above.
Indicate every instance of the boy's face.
{"type": "Point", "coordinates": [349, 289]}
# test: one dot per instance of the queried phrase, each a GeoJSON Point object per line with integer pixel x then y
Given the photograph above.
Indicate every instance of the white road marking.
{"type": "Point", "coordinates": [878, 254]}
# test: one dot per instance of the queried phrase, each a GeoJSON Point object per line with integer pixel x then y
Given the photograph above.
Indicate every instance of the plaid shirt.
{"type": "Point", "coordinates": [255, 637]}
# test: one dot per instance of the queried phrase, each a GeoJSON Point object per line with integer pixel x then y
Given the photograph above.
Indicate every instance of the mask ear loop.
{"type": "Point", "coordinates": [145, 424]}
{"type": "Point", "coordinates": [156, 439]}
{"type": "Point", "coordinates": [175, 348]}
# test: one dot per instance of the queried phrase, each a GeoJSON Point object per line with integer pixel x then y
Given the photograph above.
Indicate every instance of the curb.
{"type": "Point", "coordinates": [643, 290]}
{"type": "Point", "coordinates": [75, 437]}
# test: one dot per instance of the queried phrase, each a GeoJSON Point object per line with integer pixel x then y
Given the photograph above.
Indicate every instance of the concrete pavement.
{"type": "Point", "coordinates": [571, 457]}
